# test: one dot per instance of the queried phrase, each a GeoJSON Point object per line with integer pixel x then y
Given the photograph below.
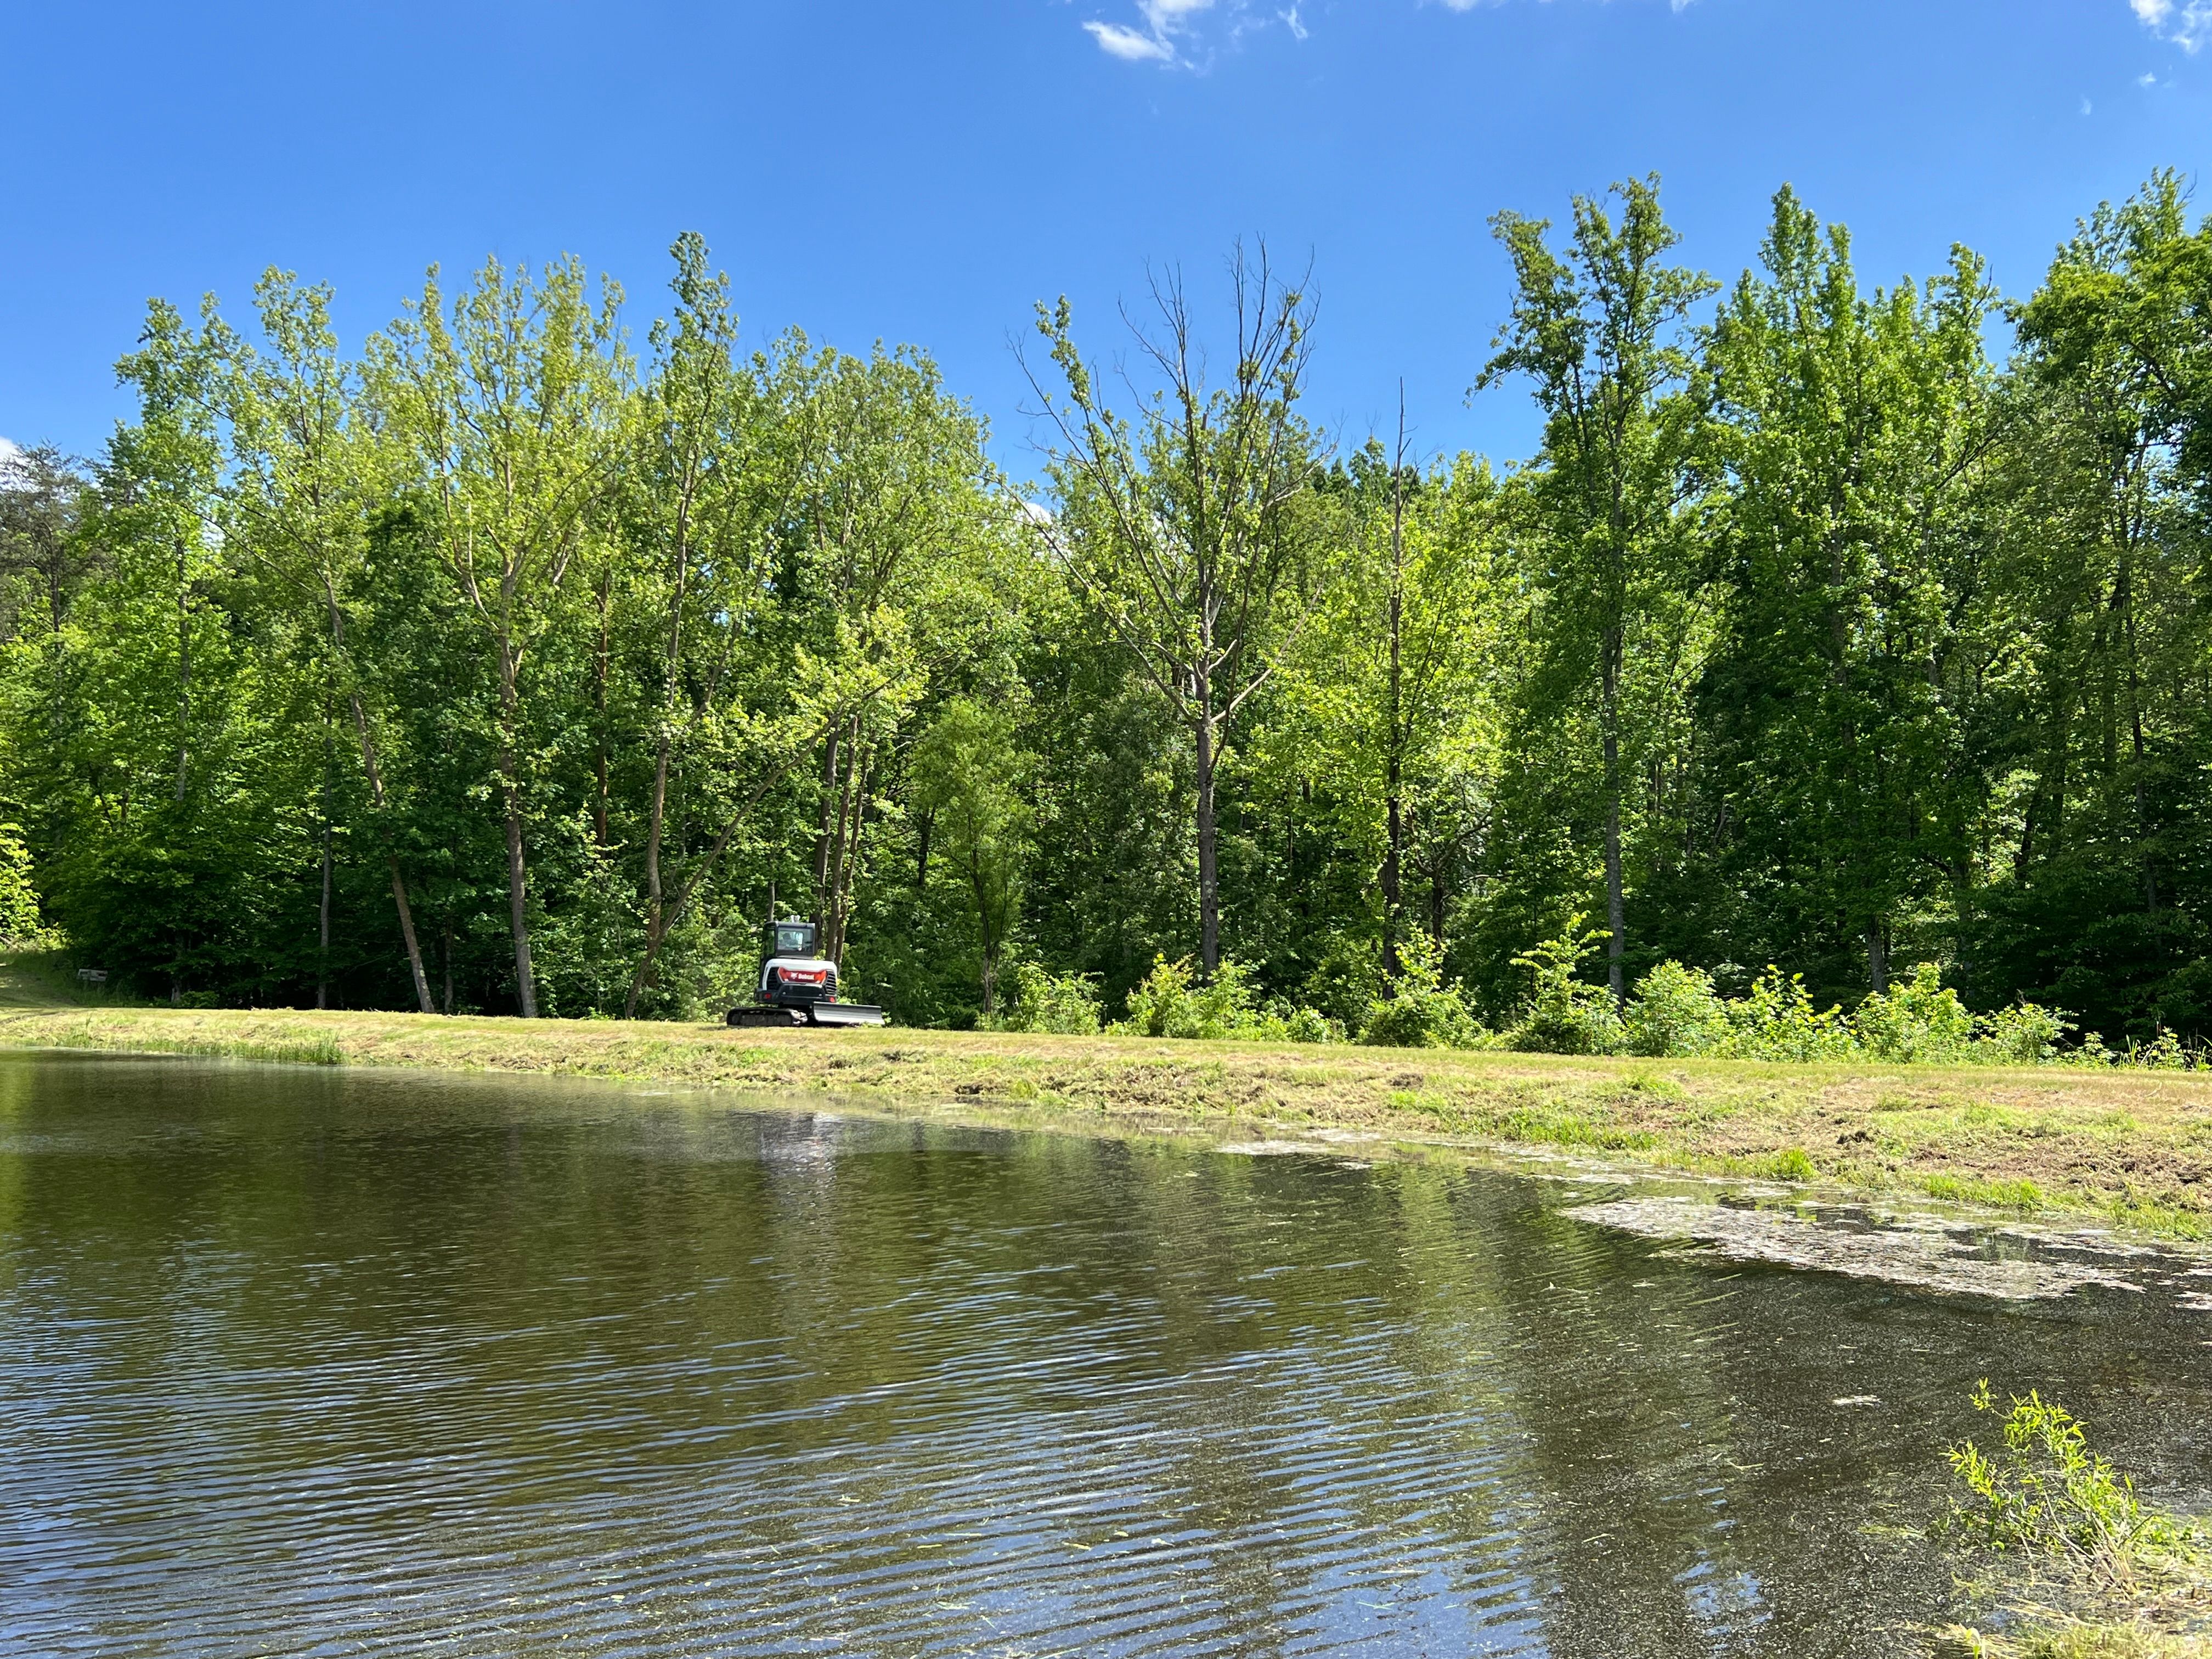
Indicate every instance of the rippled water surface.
{"type": "Point", "coordinates": [309, 1362]}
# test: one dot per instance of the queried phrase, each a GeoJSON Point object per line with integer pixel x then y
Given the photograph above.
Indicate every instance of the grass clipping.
{"type": "Point", "coordinates": [2131, 1580]}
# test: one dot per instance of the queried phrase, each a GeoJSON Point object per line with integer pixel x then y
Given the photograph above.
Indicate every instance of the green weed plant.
{"type": "Point", "coordinates": [2045, 1493]}
{"type": "Point", "coordinates": [1677, 1012]}
{"type": "Point", "coordinates": [2044, 1498]}
{"type": "Point", "coordinates": [1041, 1000]}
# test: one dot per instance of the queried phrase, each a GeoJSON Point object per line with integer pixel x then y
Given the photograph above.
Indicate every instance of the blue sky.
{"type": "Point", "coordinates": [926, 172]}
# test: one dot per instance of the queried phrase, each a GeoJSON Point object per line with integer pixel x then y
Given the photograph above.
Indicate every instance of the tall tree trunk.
{"type": "Point", "coordinates": [657, 812]}
{"type": "Point", "coordinates": [977, 880]}
{"type": "Point", "coordinates": [1394, 763]}
{"type": "Point", "coordinates": [1209, 875]}
{"type": "Point", "coordinates": [1392, 855]}
{"type": "Point", "coordinates": [1616, 946]}
{"type": "Point", "coordinates": [829, 757]}
{"type": "Point", "coordinates": [413, 947]}
{"type": "Point", "coordinates": [518, 875]}
{"type": "Point", "coordinates": [851, 814]}
{"type": "Point", "coordinates": [184, 678]}
{"type": "Point", "coordinates": [655, 817]}
{"type": "Point", "coordinates": [1877, 943]}
{"type": "Point", "coordinates": [518, 905]}
{"type": "Point", "coordinates": [375, 777]}
{"type": "Point", "coordinates": [2136, 729]}
{"type": "Point", "coordinates": [599, 703]}
{"type": "Point", "coordinates": [323, 915]}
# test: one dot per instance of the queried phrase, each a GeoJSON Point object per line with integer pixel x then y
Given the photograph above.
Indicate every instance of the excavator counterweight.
{"type": "Point", "coordinates": [798, 987]}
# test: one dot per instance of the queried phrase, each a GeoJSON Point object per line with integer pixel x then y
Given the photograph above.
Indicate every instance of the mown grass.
{"type": "Point", "coordinates": [2130, 1148]}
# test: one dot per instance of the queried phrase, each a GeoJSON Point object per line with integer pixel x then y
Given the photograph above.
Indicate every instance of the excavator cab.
{"type": "Point", "coordinates": [793, 939]}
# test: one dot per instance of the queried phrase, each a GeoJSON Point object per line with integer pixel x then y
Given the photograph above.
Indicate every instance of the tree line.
{"type": "Point", "coordinates": [517, 662]}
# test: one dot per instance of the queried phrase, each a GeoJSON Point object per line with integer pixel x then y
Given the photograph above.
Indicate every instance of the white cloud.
{"type": "Point", "coordinates": [1168, 31]}
{"type": "Point", "coordinates": [10, 453]}
{"type": "Point", "coordinates": [2087, 108]}
{"type": "Point", "coordinates": [2187, 23]}
{"type": "Point", "coordinates": [1129, 46]}
{"type": "Point", "coordinates": [1166, 23]}
{"type": "Point", "coordinates": [2145, 80]}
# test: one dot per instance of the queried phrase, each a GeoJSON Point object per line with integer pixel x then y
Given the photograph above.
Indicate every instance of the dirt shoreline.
{"type": "Point", "coordinates": [2130, 1148]}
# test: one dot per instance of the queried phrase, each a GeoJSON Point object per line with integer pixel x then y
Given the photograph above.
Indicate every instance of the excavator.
{"type": "Point", "coordinates": [798, 987]}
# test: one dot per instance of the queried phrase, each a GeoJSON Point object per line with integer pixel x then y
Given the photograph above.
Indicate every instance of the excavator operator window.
{"type": "Point", "coordinates": [794, 939]}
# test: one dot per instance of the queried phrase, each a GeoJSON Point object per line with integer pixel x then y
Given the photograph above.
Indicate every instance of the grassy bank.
{"type": "Point", "coordinates": [2131, 1147]}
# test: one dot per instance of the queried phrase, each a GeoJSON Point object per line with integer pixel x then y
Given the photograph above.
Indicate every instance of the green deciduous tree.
{"type": "Point", "coordinates": [507, 409]}
{"type": "Point", "coordinates": [1599, 329]}
{"type": "Point", "coordinates": [970, 778]}
{"type": "Point", "coordinates": [1849, 429]}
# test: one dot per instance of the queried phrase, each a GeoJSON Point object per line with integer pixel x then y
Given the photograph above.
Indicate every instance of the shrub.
{"type": "Point", "coordinates": [1918, 1019]}
{"type": "Point", "coordinates": [1311, 1026]}
{"type": "Point", "coordinates": [2023, 1035]}
{"type": "Point", "coordinates": [1564, 1015]}
{"type": "Point", "coordinates": [1422, 1011]}
{"type": "Point", "coordinates": [1676, 1012]}
{"type": "Point", "coordinates": [2163, 1052]}
{"type": "Point", "coordinates": [2045, 1490]}
{"type": "Point", "coordinates": [1162, 1004]}
{"type": "Point", "coordinates": [19, 901]}
{"type": "Point", "coordinates": [1040, 1000]}
{"type": "Point", "coordinates": [1170, 1003]}
{"type": "Point", "coordinates": [1777, 1021]}
{"type": "Point", "coordinates": [1345, 980]}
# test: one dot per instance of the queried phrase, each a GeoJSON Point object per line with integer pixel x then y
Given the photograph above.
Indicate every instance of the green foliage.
{"type": "Point", "coordinates": [1794, 1163]}
{"type": "Point", "coordinates": [969, 778]}
{"type": "Point", "coordinates": [2044, 1490]}
{"type": "Point", "coordinates": [1171, 1002]}
{"type": "Point", "coordinates": [1040, 1000]}
{"type": "Point", "coordinates": [2163, 1052]}
{"type": "Point", "coordinates": [2044, 1498]}
{"type": "Point", "coordinates": [1826, 626]}
{"type": "Point", "coordinates": [1564, 1014]}
{"type": "Point", "coordinates": [1675, 1011]}
{"type": "Point", "coordinates": [1421, 1011]}
{"type": "Point", "coordinates": [1917, 1019]}
{"type": "Point", "coordinates": [2022, 1035]}
{"type": "Point", "coordinates": [19, 899]}
{"type": "Point", "coordinates": [1778, 1021]}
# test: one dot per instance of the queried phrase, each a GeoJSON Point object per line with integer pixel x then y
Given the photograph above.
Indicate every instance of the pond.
{"type": "Point", "coordinates": [307, 1361]}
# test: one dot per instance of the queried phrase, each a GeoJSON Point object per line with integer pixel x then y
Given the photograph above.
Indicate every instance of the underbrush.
{"type": "Point", "coordinates": [1173, 1001]}
{"type": "Point", "coordinates": [1674, 1012]}
{"type": "Point", "coordinates": [1677, 1012]}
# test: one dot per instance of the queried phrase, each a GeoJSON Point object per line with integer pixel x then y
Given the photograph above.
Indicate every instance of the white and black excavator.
{"type": "Point", "coordinates": [798, 987]}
